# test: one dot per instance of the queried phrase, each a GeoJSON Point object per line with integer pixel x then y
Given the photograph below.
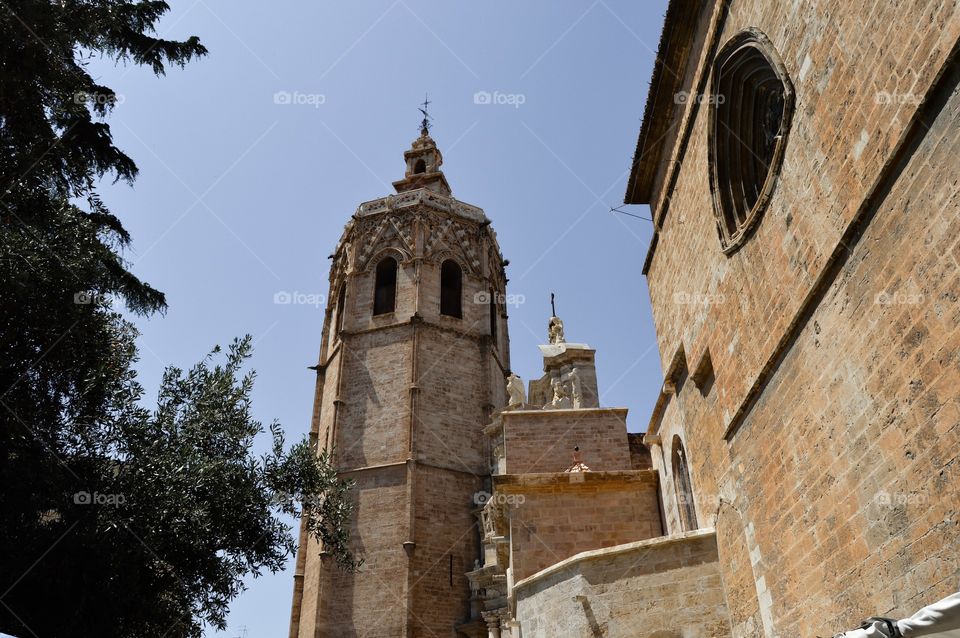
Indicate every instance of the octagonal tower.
{"type": "Point", "coordinates": [413, 356]}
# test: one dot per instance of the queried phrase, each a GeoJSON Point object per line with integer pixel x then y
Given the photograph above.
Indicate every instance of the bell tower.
{"type": "Point", "coordinates": [413, 358]}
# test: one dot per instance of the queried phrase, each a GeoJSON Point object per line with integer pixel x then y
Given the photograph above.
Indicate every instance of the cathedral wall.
{"type": "Point", "coordinates": [837, 494]}
{"type": "Point", "coordinates": [671, 425]}
{"type": "Point", "coordinates": [857, 82]}
{"type": "Point", "coordinates": [825, 449]}
{"type": "Point", "coordinates": [635, 590]}
{"type": "Point", "coordinates": [447, 546]}
{"type": "Point", "coordinates": [861, 517]}
{"type": "Point", "coordinates": [554, 516]}
{"type": "Point", "coordinates": [543, 440]}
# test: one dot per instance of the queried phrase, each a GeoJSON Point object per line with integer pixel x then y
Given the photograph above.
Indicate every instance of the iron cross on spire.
{"type": "Point", "coordinates": [425, 123]}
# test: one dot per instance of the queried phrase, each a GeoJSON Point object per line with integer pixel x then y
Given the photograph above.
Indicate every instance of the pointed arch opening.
{"type": "Point", "coordinates": [385, 288]}
{"type": "Point", "coordinates": [451, 289]}
{"type": "Point", "coordinates": [683, 487]}
{"type": "Point", "coordinates": [420, 167]}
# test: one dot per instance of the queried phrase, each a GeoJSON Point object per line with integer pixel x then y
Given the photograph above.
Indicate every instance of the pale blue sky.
{"type": "Point", "coordinates": [240, 197]}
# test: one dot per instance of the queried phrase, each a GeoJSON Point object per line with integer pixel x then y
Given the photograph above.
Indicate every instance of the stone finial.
{"type": "Point", "coordinates": [515, 390]}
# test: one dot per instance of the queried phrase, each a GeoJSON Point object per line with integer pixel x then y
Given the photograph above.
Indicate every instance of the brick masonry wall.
{"type": "Point", "coordinates": [447, 546]}
{"type": "Point", "coordinates": [639, 453]}
{"type": "Point", "coordinates": [554, 516]}
{"type": "Point", "coordinates": [671, 425]}
{"type": "Point", "coordinates": [543, 440]}
{"type": "Point", "coordinates": [374, 421]}
{"type": "Point", "coordinates": [451, 401]}
{"type": "Point", "coordinates": [840, 139]}
{"type": "Point", "coordinates": [371, 602]}
{"type": "Point", "coordinates": [836, 497]}
{"type": "Point", "coordinates": [636, 590]}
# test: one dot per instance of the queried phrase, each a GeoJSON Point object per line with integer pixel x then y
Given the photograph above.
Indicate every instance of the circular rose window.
{"type": "Point", "coordinates": [751, 103]}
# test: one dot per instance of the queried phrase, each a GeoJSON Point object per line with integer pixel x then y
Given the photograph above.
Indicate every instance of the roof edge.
{"type": "Point", "coordinates": [673, 51]}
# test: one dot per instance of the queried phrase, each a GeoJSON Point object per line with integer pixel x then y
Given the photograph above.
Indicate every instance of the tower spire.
{"type": "Point", "coordinates": [423, 159]}
{"type": "Point", "coordinates": [425, 122]}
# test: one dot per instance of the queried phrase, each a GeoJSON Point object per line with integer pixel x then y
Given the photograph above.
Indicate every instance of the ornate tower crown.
{"type": "Point", "coordinates": [423, 167]}
{"type": "Point", "coordinates": [423, 162]}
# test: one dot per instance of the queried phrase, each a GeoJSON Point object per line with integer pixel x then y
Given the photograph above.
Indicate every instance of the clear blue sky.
{"type": "Point", "coordinates": [240, 197]}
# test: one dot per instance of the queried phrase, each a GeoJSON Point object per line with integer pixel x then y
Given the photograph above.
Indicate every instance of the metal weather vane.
{"type": "Point", "coordinates": [426, 122]}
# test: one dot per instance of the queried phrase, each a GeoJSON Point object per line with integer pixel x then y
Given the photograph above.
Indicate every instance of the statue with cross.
{"type": "Point", "coordinates": [555, 325]}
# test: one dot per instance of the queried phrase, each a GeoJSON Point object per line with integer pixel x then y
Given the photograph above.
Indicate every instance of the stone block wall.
{"type": "Point", "coordinates": [825, 449]}
{"type": "Point", "coordinates": [853, 106]}
{"type": "Point", "coordinates": [543, 440]}
{"type": "Point", "coordinates": [373, 425]}
{"type": "Point", "coordinates": [450, 405]}
{"type": "Point", "coordinates": [661, 588]}
{"type": "Point", "coordinates": [335, 603]}
{"type": "Point", "coordinates": [554, 516]}
{"type": "Point", "coordinates": [446, 547]}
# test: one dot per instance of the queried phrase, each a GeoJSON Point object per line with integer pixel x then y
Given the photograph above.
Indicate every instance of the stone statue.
{"type": "Point", "coordinates": [555, 330]}
{"type": "Point", "coordinates": [515, 390]}
{"type": "Point", "coordinates": [576, 388]}
{"type": "Point", "coordinates": [578, 464]}
{"type": "Point", "coordinates": [561, 399]}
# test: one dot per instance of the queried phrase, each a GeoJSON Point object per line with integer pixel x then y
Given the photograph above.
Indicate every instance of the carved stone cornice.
{"type": "Point", "coordinates": [422, 197]}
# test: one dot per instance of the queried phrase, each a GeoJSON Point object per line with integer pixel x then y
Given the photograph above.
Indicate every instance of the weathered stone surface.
{"type": "Point", "coordinates": [822, 434]}
{"type": "Point", "coordinates": [554, 516]}
{"type": "Point", "coordinates": [543, 440]}
{"type": "Point", "coordinates": [665, 587]}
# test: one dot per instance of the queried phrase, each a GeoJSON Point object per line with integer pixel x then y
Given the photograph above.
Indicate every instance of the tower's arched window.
{"type": "Point", "coordinates": [385, 290]}
{"type": "Point", "coordinates": [451, 289]}
{"type": "Point", "coordinates": [683, 488]}
{"type": "Point", "coordinates": [341, 309]}
{"type": "Point", "coordinates": [751, 104]}
{"type": "Point", "coordinates": [420, 167]}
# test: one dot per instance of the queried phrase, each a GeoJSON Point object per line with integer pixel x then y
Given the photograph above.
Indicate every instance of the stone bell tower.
{"type": "Point", "coordinates": [413, 359]}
